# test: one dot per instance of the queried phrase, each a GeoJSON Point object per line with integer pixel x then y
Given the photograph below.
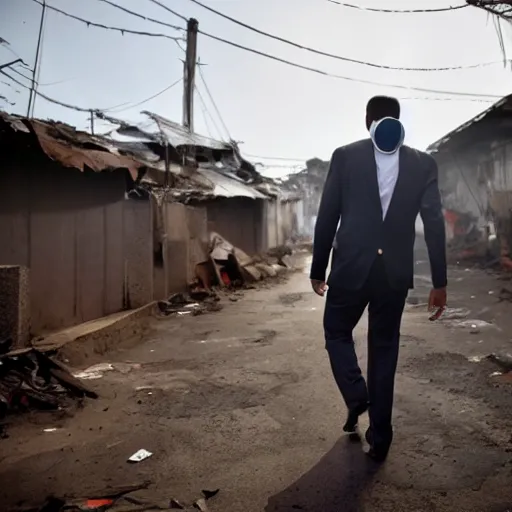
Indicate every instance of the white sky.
{"type": "Point", "coordinates": [274, 109]}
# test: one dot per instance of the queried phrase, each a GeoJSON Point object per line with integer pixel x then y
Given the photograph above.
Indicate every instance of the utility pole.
{"type": "Point", "coordinates": [32, 97]}
{"type": "Point", "coordinates": [92, 121]}
{"type": "Point", "coordinates": [189, 75]}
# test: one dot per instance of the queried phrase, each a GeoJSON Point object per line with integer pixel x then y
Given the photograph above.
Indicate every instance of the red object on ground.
{"type": "Point", "coordinates": [95, 504]}
{"type": "Point", "coordinates": [225, 278]}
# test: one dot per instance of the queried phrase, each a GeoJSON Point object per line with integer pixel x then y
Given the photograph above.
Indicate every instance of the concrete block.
{"type": "Point", "coordinates": [15, 305]}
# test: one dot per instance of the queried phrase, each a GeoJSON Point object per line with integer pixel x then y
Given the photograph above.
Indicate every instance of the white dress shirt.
{"type": "Point", "coordinates": [387, 175]}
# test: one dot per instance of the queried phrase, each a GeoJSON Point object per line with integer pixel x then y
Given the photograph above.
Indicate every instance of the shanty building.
{"type": "Point", "coordinates": [475, 176]}
{"type": "Point", "coordinates": [94, 225]}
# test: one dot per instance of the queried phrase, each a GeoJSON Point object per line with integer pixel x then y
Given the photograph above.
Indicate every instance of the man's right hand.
{"type": "Point", "coordinates": [319, 287]}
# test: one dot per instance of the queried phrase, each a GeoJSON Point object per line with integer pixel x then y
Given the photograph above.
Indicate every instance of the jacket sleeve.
{"type": "Point", "coordinates": [434, 226]}
{"type": "Point", "coordinates": [327, 219]}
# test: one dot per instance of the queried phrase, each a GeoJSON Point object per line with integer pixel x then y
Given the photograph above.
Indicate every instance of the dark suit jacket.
{"type": "Point", "coordinates": [351, 197]}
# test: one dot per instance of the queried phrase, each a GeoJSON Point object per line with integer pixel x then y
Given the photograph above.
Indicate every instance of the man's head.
{"type": "Point", "coordinates": [380, 107]}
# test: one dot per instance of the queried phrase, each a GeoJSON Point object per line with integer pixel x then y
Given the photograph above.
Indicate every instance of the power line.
{"type": "Point", "coordinates": [163, 6]}
{"type": "Point", "coordinates": [341, 77]}
{"type": "Point", "coordinates": [213, 102]}
{"type": "Point", "coordinates": [399, 11]}
{"type": "Point", "coordinates": [107, 27]}
{"type": "Point", "coordinates": [281, 158]}
{"type": "Point", "coordinates": [325, 73]}
{"type": "Point", "coordinates": [332, 55]}
{"type": "Point", "coordinates": [206, 112]}
{"type": "Point", "coordinates": [141, 16]}
{"type": "Point", "coordinates": [147, 99]}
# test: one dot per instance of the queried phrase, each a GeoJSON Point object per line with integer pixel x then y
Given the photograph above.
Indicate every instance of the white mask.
{"type": "Point", "coordinates": [390, 137]}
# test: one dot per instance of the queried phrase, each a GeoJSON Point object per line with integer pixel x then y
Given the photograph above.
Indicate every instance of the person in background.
{"type": "Point", "coordinates": [373, 193]}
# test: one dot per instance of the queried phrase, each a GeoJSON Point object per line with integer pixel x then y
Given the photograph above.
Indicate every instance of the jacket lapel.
{"type": "Point", "coordinates": [402, 185]}
{"type": "Point", "coordinates": [373, 182]}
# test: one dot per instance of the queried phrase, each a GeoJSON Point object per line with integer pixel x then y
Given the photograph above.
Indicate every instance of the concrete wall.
{"type": "Point", "coordinates": [186, 243]}
{"type": "Point", "coordinates": [15, 305]}
{"type": "Point", "coordinates": [239, 220]}
{"type": "Point", "coordinates": [291, 220]}
{"type": "Point", "coordinates": [71, 230]}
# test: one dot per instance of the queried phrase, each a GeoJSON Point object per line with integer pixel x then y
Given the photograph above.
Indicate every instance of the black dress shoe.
{"type": "Point", "coordinates": [353, 417]}
{"type": "Point", "coordinates": [378, 453]}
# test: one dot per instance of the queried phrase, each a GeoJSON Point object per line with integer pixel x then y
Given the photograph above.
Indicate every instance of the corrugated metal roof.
{"type": "Point", "coordinates": [434, 147]}
{"type": "Point", "coordinates": [177, 135]}
{"type": "Point", "coordinates": [226, 187]}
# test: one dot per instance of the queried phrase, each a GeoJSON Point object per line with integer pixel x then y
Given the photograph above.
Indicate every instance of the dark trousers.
{"type": "Point", "coordinates": [343, 311]}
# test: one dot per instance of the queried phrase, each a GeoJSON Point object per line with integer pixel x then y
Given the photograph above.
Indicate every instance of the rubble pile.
{"type": "Point", "coordinates": [197, 302]}
{"type": "Point", "coordinates": [30, 379]}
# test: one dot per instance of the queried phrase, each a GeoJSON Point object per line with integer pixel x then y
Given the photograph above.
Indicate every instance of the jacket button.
{"type": "Point", "coordinates": [380, 251]}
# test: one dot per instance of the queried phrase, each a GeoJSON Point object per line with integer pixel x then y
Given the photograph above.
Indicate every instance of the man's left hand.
{"type": "Point", "coordinates": [437, 302]}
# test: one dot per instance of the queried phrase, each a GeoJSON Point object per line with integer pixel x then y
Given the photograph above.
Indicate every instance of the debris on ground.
{"type": "Point", "coordinates": [505, 294]}
{"type": "Point", "coordinates": [124, 499]}
{"type": "Point", "coordinates": [474, 326]}
{"type": "Point", "coordinates": [30, 379]}
{"type": "Point", "coordinates": [504, 361]}
{"type": "Point", "coordinates": [455, 314]}
{"type": "Point", "coordinates": [196, 303]}
{"type": "Point", "coordinates": [140, 455]}
{"type": "Point", "coordinates": [96, 371]}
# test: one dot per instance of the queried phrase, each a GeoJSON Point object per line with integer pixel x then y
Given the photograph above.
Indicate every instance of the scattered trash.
{"type": "Point", "coordinates": [182, 304]}
{"type": "Point", "coordinates": [491, 293]}
{"type": "Point", "coordinates": [474, 325]}
{"type": "Point", "coordinates": [95, 372]}
{"type": "Point", "coordinates": [505, 294]}
{"type": "Point", "coordinates": [504, 361]}
{"type": "Point", "coordinates": [50, 430]}
{"type": "Point", "coordinates": [476, 359]}
{"type": "Point", "coordinates": [495, 374]}
{"type": "Point", "coordinates": [140, 456]}
{"type": "Point", "coordinates": [102, 504]}
{"type": "Point", "coordinates": [201, 505]}
{"type": "Point", "coordinates": [30, 379]}
{"type": "Point", "coordinates": [455, 314]}
{"type": "Point", "coordinates": [210, 494]}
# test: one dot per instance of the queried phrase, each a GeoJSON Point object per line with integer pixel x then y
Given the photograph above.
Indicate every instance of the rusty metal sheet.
{"type": "Point", "coordinates": [436, 146]}
{"type": "Point", "coordinates": [16, 122]}
{"type": "Point", "coordinates": [73, 156]}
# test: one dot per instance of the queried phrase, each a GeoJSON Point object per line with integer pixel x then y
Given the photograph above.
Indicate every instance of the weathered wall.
{"type": "Point", "coordinates": [14, 305]}
{"type": "Point", "coordinates": [187, 242]}
{"type": "Point", "coordinates": [239, 220]}
{"type": "Point", "coordinates": [69, 229]}
{"type": "Point", "coordinates": [291, 220]}
{"type": "Point", "coordinates": [270, 220]}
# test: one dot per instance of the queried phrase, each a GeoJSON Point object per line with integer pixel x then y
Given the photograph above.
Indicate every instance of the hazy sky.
{"type": "Point", "coordinates": [274, 109]}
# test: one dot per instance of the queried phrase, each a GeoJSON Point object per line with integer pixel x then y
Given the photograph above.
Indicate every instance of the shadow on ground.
{"type": "Point", "coordinates": [336, 483]}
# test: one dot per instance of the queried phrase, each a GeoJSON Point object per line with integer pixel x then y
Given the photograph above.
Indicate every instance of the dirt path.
{"type": "Point", "coordinates": [243, 400]}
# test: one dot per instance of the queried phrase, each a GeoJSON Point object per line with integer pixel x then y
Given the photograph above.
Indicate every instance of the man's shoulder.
{"type": "Point", "coordinates": [352, 147]}
{"type": "Point", "coordinates": [422, 156]}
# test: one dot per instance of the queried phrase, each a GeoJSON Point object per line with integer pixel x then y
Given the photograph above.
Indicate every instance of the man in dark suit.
{"type": "Point", "coordinates": [374, 190]}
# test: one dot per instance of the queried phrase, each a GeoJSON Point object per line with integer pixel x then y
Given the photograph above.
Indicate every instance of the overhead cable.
{"type": "Point", "coordinates": [400, 11]}
{"type": "Point", "coordinates": [325, 73]}
{"type": "Point", "coordinates": [206, 114]}
{"type": "Point", "coordinates": [213, 102]}
{"type": "Point", "coordinates": [148, 99]}
{"type": "Point", "coordinates": [184, 18]}
{"type": "Point", "coordinates": [47, 98]}
{"type": "Point", "coordinates": [106, 27]}
{"type": "Point", "coordinates": [332, 55]}
{"type": "Point", "coordinates": [141, 16]}
{"type": "Point", "coordinates": [341, 77]}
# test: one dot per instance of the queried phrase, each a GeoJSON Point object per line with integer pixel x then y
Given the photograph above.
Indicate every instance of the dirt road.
{"type": "Point", "coordinates": [243, 400]}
